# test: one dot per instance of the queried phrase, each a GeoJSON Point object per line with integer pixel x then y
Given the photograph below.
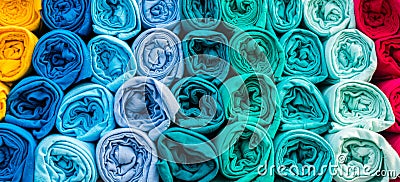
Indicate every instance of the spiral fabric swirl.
{"type": "Point", "coordinates": [285, 15]}
{"type": "Point", "coordinates": [20, 13]}
{"type": "Point", "coordinates": [158, 13]}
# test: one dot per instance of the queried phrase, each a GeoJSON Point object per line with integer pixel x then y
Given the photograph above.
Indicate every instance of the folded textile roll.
{"type": "Point", "coordinates": [158, 53]}
{"type": "Point", "coordinates": [285, 15]}
{"type": "Point", "coordinates": [86, 112]}
{"type": "Point", "coordinates": [393, 139]}
{"type": "Point", "coordinates": [363, 155]}
{"type": "Point", "coordinates": [326, 17]}
{"type": "Point", "coordinates": [111, 59]}
{"type": "Point", "coordinates": [16, 45]}
{"type": "Point", "coordinates": [387, 51]}
{"type": "Point", "coordinates": [206, 55]}
{"type": "Point", "coordinates": [302, 106]}
{"type": "Point", "coordinates": [63, 57]}
{"type": "Point", "coordinates": [17, 148]}
{"type": "Point", "coordinates": [350, 55]}
{"type": "Point", "coordinates": [252, 98]}
{"type": "Point", "coordinates": [63, 158]}
{"type": "Point", "coordinates": [301, 155]}
{"type": "Point", "coordinates": [158, 13]}
{"type": "Point", "coordinates": [186, 156]}
{"type": "Point", "coordinates": [358, 104]}
{"type": "Point", "coordinates": [200, 15]}
{"type": "Point", "coordinates": [4, 90]}
{"type": "Point", "coordinates": [72, 15]}
{"type": "Point", "coordinates": [126, 154]}
{"type": "Point", "coordinates": [33, 104]}
{"type": "Point", "coordinates": [391, 89]}
{"type": "Point", "coordinates": [201, 105]}
{"type": "Point", "coordinates": [377, 18]}
{"type": "Point", "coordinates": [250, 49]}
{"type": "Point", "coordinates": [245, 152]}
{"type": "Point", "coordinates": [145, 104]}
{"type": "Point", "coordinates": [304, 55]}
{"type": "Point", "coordinates": [20, 13]}
{"type": "Point", "coordinates": [118, 18]}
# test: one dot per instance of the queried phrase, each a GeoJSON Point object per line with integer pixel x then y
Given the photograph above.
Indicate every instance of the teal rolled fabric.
{"type": "Point", "coordinates": [285, 15]}
{"type": "Point", "coordinates": [63, 158]}
{"type": "Point", "coordinates": [350, 55]}
{"type": "Point", "coordinates": [302, 106]}
{"type": "Point", "coordinates": [158, 13]}
{"type": "Point", "coordinates": [304, 55]}
{"type": "Point", "coordinates": [358, 104]}
{"type": "Point", "coordinates": [301, 155]}
{"type": "Point", "coordinates": [186, 156]}
{"type": "Point", "coordinates": [200, 15]}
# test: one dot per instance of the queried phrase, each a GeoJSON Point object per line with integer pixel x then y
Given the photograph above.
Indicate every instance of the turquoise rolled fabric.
{"type": "Point", "coordinates": [86, 112]}
{"type": "Point", "coordinates": [17, 148]}
{"type": "Point", "coordinates": [118, 18]}
{"type": "Point", "coordinates": [363, 155]}
{"type": "Point", "coordinates": [301, 155]}
{"type": "Point", "coordinates": [350, 55]}
{"type": "Point", "coordinates": [304, 55]}
{"type": "Point", "coordinates": [158, 53]}
{"type": "Point", "coordinates": [158, 13]}
{"type": "Point", "coordinates": [252, 98]}
{"type": "Point", "coordinates": [126, 154]}
{"type": "Point", "coordinates": [186, 156]}
{"type": "Point", "coordinates": [112, 61]}
{"type": "Point", "coordinates": [63, 158]}
{"type": "Point", "coordinates": [302, 106]}
{"type": "Point", "coordinates": [285, 15]}
{"type": "Point", "coordinates": [200, 15]}
{"type": "Point", "coordinates": [358, 104]}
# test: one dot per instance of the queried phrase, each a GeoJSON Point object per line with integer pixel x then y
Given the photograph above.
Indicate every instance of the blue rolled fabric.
{"type": "Point", "coordinates": [158, 53]}
{"type": "Point", "coordinates": [112, 61]}
{"type": "Point", "coordinates": [285, 15]}
{"type": "Point", "coordinates": [119, 18]}
{"type": "Point", "coordinates": [63, 158]}
{"type": "Point", "coordinates": [33, 104]}
{"type": "Point", "coordinates": [17, 148]}
{"type": "Point", "coordinates": [158, 13]}
{"type": "Point", "coordinates": [63, 57]}
{"type": "Point", "coordinates": [86, 112]}
{"type": "Point", "coordinates": [73, 15]}
{"type": "Point", "coordinates": [200, 15]}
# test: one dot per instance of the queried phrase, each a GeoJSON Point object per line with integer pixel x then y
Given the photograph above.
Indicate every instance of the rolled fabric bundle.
{"type": "Point", "coordinates": [158, 53]}
{"type": "Point", "coordinates": [377, 18]}
{"type": "Point", "coordinates": [201, 105]}
{"type": "Point", "coordinates": [250, 49]}
{"type": "Point", "coordinates": [118, 18]}
{"type": "Point", "coordinates": [126, 154]}
{"type": "Point", "coordinates": [158, 13]}
{"type": "Point", "coordinates": [252, 98]}
{"type": "Point", "coordinates": [63, 158]}
{"type": "Point", "coordinates": [33, 104]}
{"type": "Point", "coordinates": [245, 152]}
{"type": "Point", "coordinates": [17, 148]}
{"type": "Point", "coordinates": [145, 104]}
{"type": "Point", "coordinates": [304, 55]}
{"type": "Point", "coordinates": [20, 13]}
{"type": "Point", "coordinates": [391, 89]}
{"type": "Point", "coordinates": [16, 49]}
{"type": "Point", "coordinates": [363, 155]}
{"type": "Point", "coordinates": [4, 90]}
{"type": "Point", "coordinates": [72, 15]}
{"type": "Point", "coordinates": [387, 51]}
{"type": "Point", "coordinates": [200, 15]}
{"type": "Point", "coordinates": [63, 57]}
{"type": "Point", "coordinates": [112, 61]}
{"type": "Point", "coordinates": [302, 106]}
{"type": "Point", "coordinates": [326, 17]}
{"type": "Point", "coordinates": [206, 55]}
{"type": "Point", "coordinates": [285, 15]}
{"type": "Point", "coordinates": [186, 156]}
{"type": "Point", "coordinates": [302, 155]}
{"type": "Point", "coordinates": [350, 55]}
{"type": "Point", "coordinates": [86, 112]}
{"type": "Point", "coordinates": [358, 104]}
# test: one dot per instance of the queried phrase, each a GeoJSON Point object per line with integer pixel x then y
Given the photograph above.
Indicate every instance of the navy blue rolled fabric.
{"type": "Point", "coordinates": [33, 104]}
{"type": "Point", "coordinates": [73, 15]}
{"type": "Point", "coordinates": [112, 61]}
{"type": "Point", "coordinates": [158, 13]}
{"type": "Point", "coordinates": [17, 148]}
{"type": "Point", "coordinates": [119, 18]}
{"type": "Point", "coordinates": [63, 57]}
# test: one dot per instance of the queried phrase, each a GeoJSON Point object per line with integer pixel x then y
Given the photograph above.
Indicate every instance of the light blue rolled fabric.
{"type": "Point", "coordinates": [126, 154]}
{"type": "Point", "coordinates": [119, 18]}
{"type": "Point", "coordinates": [285, 14]}
{"type": "Point", "coordinates": [86, 112]}
{"type": "Point", "coordinates": [200, 15]}
{"type": "Point", "coordinates": [112, 61]}
{"type": "Point", "coordinates": [63, 158]}
{"type": "Point", "coordinates": [158, 53]}
{"type": "Point", "coordinates": [158, 13]}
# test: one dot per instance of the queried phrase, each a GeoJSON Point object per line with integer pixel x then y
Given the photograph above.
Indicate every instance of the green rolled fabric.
{"type": "Point", "coordinates": [200, 14]}
{"type": "Point", "coordinates": [358, 104]}
{"type": "Point", "coordinates": [302, 106]}
{"type": "Point", "coordinates": [285, 14]}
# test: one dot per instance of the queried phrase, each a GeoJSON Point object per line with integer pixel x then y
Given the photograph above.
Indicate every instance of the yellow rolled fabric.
{"type": "Point", "coordinates": [20, 13]}
{"type": "Point", "coordinates": [4, 90]}
{"type": "Point", "coordinates": [16, 48]}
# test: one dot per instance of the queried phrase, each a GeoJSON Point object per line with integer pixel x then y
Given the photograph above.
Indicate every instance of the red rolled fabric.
{"type": "Point", "coordinates": [388, 54]}
{"type": "Point", "coordinates": [391, 89]}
